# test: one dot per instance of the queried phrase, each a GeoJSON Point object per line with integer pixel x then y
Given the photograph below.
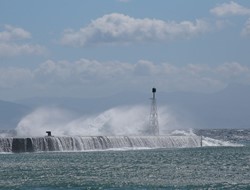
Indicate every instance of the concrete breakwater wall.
{"type": "Point", "coordinates": [76, 143]}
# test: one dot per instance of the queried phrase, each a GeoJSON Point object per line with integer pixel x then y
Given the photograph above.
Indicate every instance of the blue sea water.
{"type": "Point", "coordinates": [181, 168]}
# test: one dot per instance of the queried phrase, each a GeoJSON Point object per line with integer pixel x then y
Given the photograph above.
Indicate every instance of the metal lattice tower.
{"type": "Point", "coordinates": [153, 118]}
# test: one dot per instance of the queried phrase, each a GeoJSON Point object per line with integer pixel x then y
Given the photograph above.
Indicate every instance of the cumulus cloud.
{"type": "Point", "coordinates": [13, 33]}
{"type": "Point", "coordinates": [246, 30]}
{"type": "Point", "coordinates": [122, 29]}
{"type": "Point", "coordinates": [12, 43]}
{"type": "Point", "coordinates": [13, 77]}
{"type": "Point", "coordinates": [13, 49]}
{"type": "Point", "coordinates": [231, 8]}
{"type": "Point", "coordinates": [82, 71]}
{"type": "Point", "coordinates": [233, 69]}
{"type": "Point", "coordinates": [87, 77]}
{"type": "Point", "coordinates": [221, 24]}
{"type": "Point", "coordinates": [144, 67]}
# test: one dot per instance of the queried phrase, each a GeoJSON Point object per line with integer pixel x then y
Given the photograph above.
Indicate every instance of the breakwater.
{"type": "Point", "coordinates": [36, 144]}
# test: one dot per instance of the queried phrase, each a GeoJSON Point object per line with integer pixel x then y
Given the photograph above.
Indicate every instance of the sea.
{"type": "Point", "coordinates": [220, 166]}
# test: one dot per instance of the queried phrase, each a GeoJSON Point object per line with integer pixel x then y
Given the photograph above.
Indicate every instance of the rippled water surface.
{"type": "Point", "coordinates": [194, 168]}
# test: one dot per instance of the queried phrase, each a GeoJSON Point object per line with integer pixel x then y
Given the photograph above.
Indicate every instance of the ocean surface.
{"type": "Point", "coordinates": [210, 167]}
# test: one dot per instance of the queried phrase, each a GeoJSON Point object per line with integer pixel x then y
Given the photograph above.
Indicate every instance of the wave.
{"type": "Point", "coordinates": [207, 141]}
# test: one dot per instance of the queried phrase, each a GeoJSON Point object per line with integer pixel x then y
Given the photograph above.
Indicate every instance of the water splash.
{"type": "Point", "coordinates": [126, 120]}
{"type": "Point", "coordinates": [206, 141]}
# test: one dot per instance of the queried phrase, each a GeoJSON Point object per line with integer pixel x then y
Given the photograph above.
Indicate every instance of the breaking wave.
{"type": "Point", "coordinates": [206, 141]}
{"type": "Point", "coordinates": [127, 120]}
{"type": "Point", "coordinates": [116, 128]}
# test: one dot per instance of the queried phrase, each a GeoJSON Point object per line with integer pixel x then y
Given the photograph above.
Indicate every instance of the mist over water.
{"type": "Point", "coordinates": [126, 120]}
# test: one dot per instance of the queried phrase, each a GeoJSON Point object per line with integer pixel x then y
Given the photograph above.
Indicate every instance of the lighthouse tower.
{"type": "Point", "coordinates": [153, 118]}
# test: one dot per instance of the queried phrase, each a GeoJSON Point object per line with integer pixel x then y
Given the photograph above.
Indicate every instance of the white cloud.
{"type": "Point", "coordinates": [233, 69]}
{"type": "Point", "coordinates": [13, 77]}
{"type": "Point", "coordinates": [122, 29]}
{"type": "Point", "coordinates": [84, 69]}
{"type": "Point", "coordinates": [144, 67]}
{"type": "Point", "coordinates": [231, 8]}
{"type": "Point", "coordinates": [13, 33]}
{"type": "Point", "coordinates": [12, 43]}
{"type": "Point", "coordinates": [246, 30]}
{"type": "Point", "coordinates": [13, 49]}
{"type": "Point", "coordinates": [221, 24]}
{"type": "Point", "coordinates": [88, 77]}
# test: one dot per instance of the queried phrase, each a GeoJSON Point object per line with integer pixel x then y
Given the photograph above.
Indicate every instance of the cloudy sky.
{"type": "Point", "coordinates": [97, 48]}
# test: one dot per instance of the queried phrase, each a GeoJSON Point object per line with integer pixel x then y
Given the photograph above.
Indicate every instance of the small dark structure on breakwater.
{"type": "Point", "coordinates": [48, 133]}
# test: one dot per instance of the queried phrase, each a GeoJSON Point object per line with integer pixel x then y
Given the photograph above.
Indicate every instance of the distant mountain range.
{"type": "Point", "coordinates": [229, 108]}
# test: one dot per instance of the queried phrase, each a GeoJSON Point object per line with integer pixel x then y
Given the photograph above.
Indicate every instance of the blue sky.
{"type": "Point", "coordinates": [97, 48]}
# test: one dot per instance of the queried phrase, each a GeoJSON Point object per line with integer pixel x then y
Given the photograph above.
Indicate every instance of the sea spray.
{"type": "Point", "coordinates": [126, 120]}
{"type": "Point", "coordinates": [206, 141]}
{"type": "Point", "coordinates": [43, 119]}
{"type": "Point", "coordinates": [119, 121]}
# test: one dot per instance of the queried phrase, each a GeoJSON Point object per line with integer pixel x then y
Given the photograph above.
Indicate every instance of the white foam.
{"type": "Point", "coordinates": [207, 141]}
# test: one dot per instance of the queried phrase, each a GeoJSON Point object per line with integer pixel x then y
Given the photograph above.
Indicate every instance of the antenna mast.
{"type": "Point", "coordinates": [153, 118]}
